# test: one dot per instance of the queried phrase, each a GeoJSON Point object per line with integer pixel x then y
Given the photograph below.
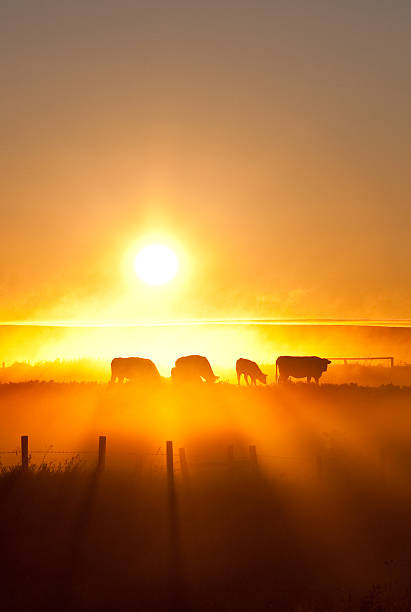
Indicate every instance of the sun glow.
{"type": "Point", "coordinates": [156, 264]}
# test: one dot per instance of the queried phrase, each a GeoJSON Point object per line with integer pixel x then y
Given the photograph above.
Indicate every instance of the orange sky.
{"type": "Point", "coordinates": [268, 142]}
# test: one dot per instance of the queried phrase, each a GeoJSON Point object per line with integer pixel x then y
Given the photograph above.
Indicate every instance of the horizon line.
{"type": "Point", "coordinates": [210, 321]}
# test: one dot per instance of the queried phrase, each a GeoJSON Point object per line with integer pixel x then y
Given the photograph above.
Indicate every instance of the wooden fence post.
{"type": "Point", "coordinates": [183, 465]}
{"type": "Point", "coordinates": [253, 458]}
{"type": "Point", "coordinates": [101, 453]}
{"type": "Point", "coordinates": [25, 453]}
{"type": "Point", "coordinates": [170, 463]}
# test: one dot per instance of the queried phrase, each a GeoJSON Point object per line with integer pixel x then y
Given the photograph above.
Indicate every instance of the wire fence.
{"type": "Point", "coordinates": [27, 457]}
{"type": "Point", "coordinates": [164, 459]}
{"type": "Point", "coordinates": [159, 460]}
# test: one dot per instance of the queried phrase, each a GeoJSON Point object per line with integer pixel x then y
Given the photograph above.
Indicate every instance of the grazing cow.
{"type": "Point", "coordinates": [193, 368]}
{"type": "Point", "coordinates": [249, 368]}
{"type": "Point", "coordinates": [134, 368]}
{"type": "Point", "coordinates": [300, 367]}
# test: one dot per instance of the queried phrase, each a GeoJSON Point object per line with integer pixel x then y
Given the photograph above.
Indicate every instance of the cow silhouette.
{"type": "Point", "coordinates": [300, 367]}
{"type": "Point", "coordinates": [249, 368]}
{"type": "Point", "coordinates": [193, 369]}
{"type": "Point", "coordinates": [134, 368]}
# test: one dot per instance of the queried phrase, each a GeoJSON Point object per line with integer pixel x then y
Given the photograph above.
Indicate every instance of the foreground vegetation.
{"type": "Point", "coordinates": [234, 540]}
{"type": "Point", "coordinates": [322, 524]}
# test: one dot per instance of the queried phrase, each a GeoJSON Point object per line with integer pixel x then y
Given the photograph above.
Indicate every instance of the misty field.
{"type": "Point", "coordinates": [321, 522]}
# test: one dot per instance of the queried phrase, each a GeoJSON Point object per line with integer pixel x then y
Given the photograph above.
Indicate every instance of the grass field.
{"type": "Point", "coordinates": [323, 524]}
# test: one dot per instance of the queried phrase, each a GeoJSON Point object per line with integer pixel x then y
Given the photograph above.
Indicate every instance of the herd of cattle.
{"type": "Point", "coordinates": [195, 368]}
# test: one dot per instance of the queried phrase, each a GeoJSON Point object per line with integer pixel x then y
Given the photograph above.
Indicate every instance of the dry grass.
{"type": "Point", "coordinates": [293, 535]}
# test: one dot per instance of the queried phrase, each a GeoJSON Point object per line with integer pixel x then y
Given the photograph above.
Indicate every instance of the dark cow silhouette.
{"type": "Point", "coordinates": [134, 368]}
{"type": "Point", "coordinates": [249, 368]}
{"type": "Point", "coordinates": [192, 369]}
{"type": "Point", "coordinates": [300, 367]}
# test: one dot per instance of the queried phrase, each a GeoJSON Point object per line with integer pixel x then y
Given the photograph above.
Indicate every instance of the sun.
{"type": "Point", "coordinates": [156, 264]}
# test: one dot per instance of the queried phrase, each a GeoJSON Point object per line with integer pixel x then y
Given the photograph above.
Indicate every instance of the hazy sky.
{"type": "Point", "coordinates": [268, 141]}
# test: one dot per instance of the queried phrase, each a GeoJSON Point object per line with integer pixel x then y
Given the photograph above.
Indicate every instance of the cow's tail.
{"type": "Point", "coordinates": [276, 371]}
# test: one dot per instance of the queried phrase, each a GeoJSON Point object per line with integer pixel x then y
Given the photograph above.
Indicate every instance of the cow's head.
{"type": "Point", "coordinates": [262, 378]}
{"type": "Point", "coordinates": [326, 363]}
{"type": "Point", "coordinates": [212, 378]}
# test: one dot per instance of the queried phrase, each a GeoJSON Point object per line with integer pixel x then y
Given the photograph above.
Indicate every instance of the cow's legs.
{"type": "Point", "coordinates": [239, 378]}
{"type": "Point", "coordinates": [308, 379]}
{"type": "Point", "coordinates": [254, 381]}
{"type": "Point", "coordinates": [317, 380]}
{"type": "Point", "coordinates": [246, 379]}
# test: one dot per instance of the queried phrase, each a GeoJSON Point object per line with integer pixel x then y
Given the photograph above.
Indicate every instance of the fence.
{"type": "Point", "coordinates": [319, 465]}
{"type": "Point", "coordinates": [347, 359]}
{"type": "Point", "coordinates": [25, 453]}
{"type": "Point", "coordinates": [101, 452]}
{"type": "Point", "coordinates": [251, 461]}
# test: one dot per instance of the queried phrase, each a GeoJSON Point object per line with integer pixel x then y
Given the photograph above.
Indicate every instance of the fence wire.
{"type": "Point", "coordinates": [192, 461]}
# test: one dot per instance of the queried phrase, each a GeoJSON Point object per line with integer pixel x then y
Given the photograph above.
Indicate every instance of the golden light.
{"type": "Point", "coordinates": [156, 264]}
